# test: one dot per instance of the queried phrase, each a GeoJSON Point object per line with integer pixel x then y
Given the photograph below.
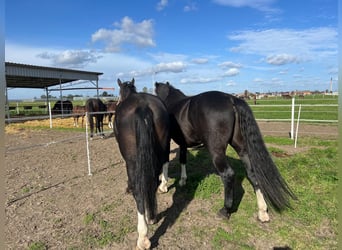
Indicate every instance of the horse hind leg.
{"type": "Point", "coordinates": [263, 215]}
{"type": "Point", "coordinates": [226, 173]}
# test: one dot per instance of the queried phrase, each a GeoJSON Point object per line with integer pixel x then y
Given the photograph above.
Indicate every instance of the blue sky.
{"type": "Point", "coordinates": [196, 45]}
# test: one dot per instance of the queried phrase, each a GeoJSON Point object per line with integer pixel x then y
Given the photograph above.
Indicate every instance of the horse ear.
{"type": "Point", "coordinates": [156, 84]}
{"type": "Point", "coordinates": [119, 82]}
{"type": "Point", "coordinates": [133, 81]}
{"type": "Point", "coordinates": [167, 83]}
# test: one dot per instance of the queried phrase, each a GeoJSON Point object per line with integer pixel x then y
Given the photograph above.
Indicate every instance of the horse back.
{"type": "Point", "coordinates": [204, 116]}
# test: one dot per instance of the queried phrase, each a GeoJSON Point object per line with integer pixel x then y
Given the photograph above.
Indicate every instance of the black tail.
{"type": "Point", "coordinates": [147, 164]}
{"type": "Point", "coordinates": [274, 188]}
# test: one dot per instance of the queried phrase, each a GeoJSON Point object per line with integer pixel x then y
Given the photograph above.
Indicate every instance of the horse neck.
{"type": "Point", "coordinates": [175, 96]}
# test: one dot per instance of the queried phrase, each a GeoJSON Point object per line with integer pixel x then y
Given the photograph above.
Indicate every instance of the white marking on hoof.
{"type": "Point", "coordinates": [143, 243]}
{"type": "Point", "coordinates": [263, 216]}
{"type": "Point", "coordinates": [262, 206]}
{"type": "Point", "coordinates": [162, 188]}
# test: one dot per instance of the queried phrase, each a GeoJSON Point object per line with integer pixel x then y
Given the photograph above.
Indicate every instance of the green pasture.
{"type": "Point", "coordinates": [315, 107]}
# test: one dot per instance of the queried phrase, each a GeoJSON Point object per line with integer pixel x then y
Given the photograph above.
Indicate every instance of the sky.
{"type": "Point", "coordinates": [195, 45]}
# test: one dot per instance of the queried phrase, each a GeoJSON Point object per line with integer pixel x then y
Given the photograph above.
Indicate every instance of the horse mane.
{"type": "Point", "coordinates": [175, 90]}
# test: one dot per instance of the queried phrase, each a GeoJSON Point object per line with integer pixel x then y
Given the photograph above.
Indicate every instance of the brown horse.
{"type": "Point", "coordinates": [111, 107]}
{"type": "Point", "coordinates": [78, 111]}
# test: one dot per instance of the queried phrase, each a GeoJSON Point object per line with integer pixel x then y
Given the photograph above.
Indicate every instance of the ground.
{"type": "Point", "coordinates": [52, 200]}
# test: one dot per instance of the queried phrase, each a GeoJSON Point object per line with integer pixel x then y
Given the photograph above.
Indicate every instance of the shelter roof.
{"type": "Point", "coordinates": [32, 76]}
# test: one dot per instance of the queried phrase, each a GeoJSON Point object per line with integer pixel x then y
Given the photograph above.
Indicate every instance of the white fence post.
{"type": "Point", "coordinates": [300, 107]}
{"type": "Point", "coordinates": [50, 115]}
{"type": "Point", "coordinates": [292, 116]}
{"type": "Point", "coordinates": [87, 142]}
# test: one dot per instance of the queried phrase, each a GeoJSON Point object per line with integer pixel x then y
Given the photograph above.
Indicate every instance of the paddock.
{"type": "Point", "coordinates": [51, 200]}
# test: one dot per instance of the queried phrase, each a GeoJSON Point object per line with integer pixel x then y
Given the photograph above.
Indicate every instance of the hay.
{"type": "Point", "coordinates": [18, 127]}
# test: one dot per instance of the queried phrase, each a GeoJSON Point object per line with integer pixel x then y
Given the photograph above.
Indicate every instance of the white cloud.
{"type": "Point", "coordinates": [231, 72]}
{"type": "Point", "coordinates": [262, 5]}
{"type": "Point", "coordinates": [200, 60]}
{"type": "Point", "coordinates": [231, 83]}
{"type": "Point", "coordinates": [170, 67]}
{"type": "Point", "coordinates": [229, 64]}
{"type": "Point", "coordinates": [199, 80]}
{"type": "Point", "coordinates": [258, 80]}
{"type": "Point", "coordinates": [298, 45]}
{"type": "Point", "coordinates": [174, 67]}
{"type": "Point", "coordinates": [190, 7]}
{"type": "Point", "coordinates": [162, 5]}
{"type": "Point", "coordinates": [70, 58]}
{"type": "Point", "coordinates": [282, 59]}
{"type": "Point", "coordinates": [127, 32]}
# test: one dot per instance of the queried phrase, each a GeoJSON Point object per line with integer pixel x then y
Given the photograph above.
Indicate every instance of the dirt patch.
{"type": "Point", "coordinates": [52, 199]}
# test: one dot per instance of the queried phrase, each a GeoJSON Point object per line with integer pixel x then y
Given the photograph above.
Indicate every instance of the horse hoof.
{"type": "Point", "coordinates": [263, 217]}
{"type": "Point", "coordinates": [151, 221]}
{"type": "Point", "coordinates": [162, 189]}
{"type": "Point", "coordinates": [143, 244]}
{"type": "Point", "coordinates": [223, 213]}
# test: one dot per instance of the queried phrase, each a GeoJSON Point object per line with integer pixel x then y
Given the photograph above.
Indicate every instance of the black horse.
{"type": "Point", "coordinates": [141, 128]}
{"type": "Point", "coordinates": [62, 107]}
{"type": "Point", "coordinates": [95, 108]}
{"type": "Point", "coordinates": [216, 119]}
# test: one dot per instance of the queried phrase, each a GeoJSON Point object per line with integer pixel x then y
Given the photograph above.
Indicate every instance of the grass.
{"type": "Point", "coordinates": [312, 223]}
{"type": "Point", "coordinates": [37, 246]}
{"type": "Point", "coordinates": [310, 109]}
{"type": "Point", "coordinates": [100, 231]}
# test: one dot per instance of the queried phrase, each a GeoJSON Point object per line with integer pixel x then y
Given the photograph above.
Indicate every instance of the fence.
{"type": "Point", "coordinates": [284, 113]}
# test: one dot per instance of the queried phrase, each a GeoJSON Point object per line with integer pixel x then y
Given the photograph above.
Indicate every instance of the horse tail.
{"type": "Point", "coordinates": [147, 170]}
{"type": "Point", "coordinates": [274, 188]}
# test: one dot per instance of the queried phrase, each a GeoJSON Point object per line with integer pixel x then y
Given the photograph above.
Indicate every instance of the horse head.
{"type": "Point", "coordinates": [162, 89]}
{"type": "Point", "coordinates": [168, 94]}
{"type": "Point", "coordinates": [126, 88]}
